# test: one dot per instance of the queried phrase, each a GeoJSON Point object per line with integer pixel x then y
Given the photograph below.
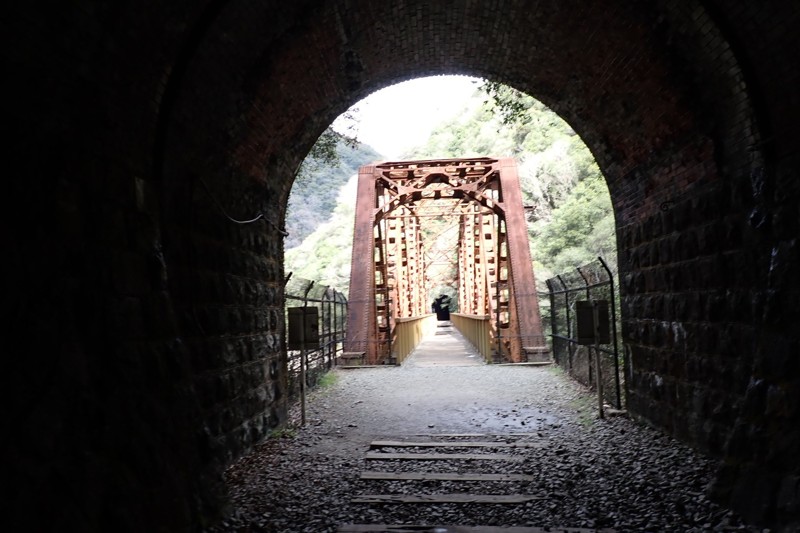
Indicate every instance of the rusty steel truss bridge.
{"type": "Point", "coordinates": [451, 227]}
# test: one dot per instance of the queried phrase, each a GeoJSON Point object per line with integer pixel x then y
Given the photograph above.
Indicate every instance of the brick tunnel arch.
{"type": "Point", "coordinates": [212, 108]}
{"type": "Point", "coordinates": [656, 93]}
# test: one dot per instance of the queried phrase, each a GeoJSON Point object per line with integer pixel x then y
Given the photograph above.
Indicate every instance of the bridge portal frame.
{"type": "Point", "coordinates": [495, 271]}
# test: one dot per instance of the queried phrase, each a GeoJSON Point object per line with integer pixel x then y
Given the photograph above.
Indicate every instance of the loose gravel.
{"type": "Point", "coordinates": [587, 472]}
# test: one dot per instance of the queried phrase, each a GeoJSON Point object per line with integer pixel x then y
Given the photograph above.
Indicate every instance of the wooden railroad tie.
{"type": "Point", "coordinates": [441, 456]}
{"type": "Point", "coordinates": [446, 498]}
{"type": "Point", "coordinates": [408, 528]}
{"type": "Point", "coordinates": [434, 476]}
{"type": "Point", "coordinates": [452, 444]}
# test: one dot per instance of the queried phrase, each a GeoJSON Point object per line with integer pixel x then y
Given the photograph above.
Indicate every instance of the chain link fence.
{"type": "Point", "coordinates": [332, 316]}
{"type": "Point", "coordinates": [591, 282]}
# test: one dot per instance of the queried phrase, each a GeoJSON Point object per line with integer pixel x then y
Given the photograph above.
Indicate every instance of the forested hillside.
{"type": "Point", "coordinates": [324, 256]}
{"type": "Point", "coordinates": [571, 220]}
{"type": "Point", "coordinates": [316, 189]}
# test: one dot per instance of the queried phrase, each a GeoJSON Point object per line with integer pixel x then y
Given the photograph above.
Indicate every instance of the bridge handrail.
{"type": "Point", "coordinates": [477, 329]}
{"type": "Point", "coordinates": [408, 332]}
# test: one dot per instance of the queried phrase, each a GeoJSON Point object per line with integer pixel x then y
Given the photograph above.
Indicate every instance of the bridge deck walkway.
{"type": "Point", "coordinates": [448, 347]}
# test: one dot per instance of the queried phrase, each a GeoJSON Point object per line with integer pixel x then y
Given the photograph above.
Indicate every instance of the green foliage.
{"type": "Point", "coordinates": [283, 433]}
{"type": "Point", "coordinates": [580, 229]}
{"type": "Point", "coordinates": [331, 162]}
{"type": "Point", "coordinates": [328, 379]}
{"type": "Point", "coordinates": [327, 150]}
{"type": "Point", "coordinates": [511, 105]}
{"type": "Point", "coordinates": [585, 408]}
{"type": "Point", "coordinates": [324, 256]}
{"type": "Point", "coordinates": [330, 150]}
{"type": "Point", "coordinates": [324, 151]}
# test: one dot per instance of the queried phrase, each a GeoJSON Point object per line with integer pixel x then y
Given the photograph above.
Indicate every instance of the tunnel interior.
{"type": "Point", "coordinates": [153, 349]}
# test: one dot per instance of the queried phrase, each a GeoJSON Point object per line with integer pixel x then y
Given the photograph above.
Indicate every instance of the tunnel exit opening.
{"type": "Point", "coordinates": [556, 148]}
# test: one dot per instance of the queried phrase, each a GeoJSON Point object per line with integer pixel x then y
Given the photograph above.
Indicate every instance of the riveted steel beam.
{"type": "Point", "coordinates": [403, 249]}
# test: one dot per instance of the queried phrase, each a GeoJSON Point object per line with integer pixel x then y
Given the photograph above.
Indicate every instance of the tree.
{"type": "Point", "coordinates": [511, 105]}
{"type": "Point", "coordinates": [580, 229]}
{"type": "Point", "coordinates": [332, 160]}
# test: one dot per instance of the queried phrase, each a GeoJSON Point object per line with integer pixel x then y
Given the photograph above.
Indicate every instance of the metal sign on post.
{"type": "Point", "coordinates": [593, 328]}
{"type": "Point", "coordinates": [303, 328]}
{"type": "Point", "coordinates": [303, 334]}
{"type": "Point", "coordinates": [589, 332]}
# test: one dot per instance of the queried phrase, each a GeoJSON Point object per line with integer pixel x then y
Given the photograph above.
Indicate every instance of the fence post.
{"type": "Point", "coordinates": [334, 326]}
{"type": "Point", "coordinates": [598, 370]}
{"type": "Point", "coordinates": [596, 346]}
{"type": "Point", "coordinates": [553, 322]}
{"type": "Point", "coordinates": [343, 317]}
{"type": "Point", "coordinates": [570, 348]}
{"type": "Point", "coordinates": [303, 359]}
{"type": "Point", "coordinates": [614, 330]}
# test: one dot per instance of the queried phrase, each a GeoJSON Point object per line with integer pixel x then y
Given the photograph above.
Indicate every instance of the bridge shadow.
{"type": "Point", "coordinates": [447, 347]}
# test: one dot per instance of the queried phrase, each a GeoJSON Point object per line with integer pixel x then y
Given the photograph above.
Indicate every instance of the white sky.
{"type": "Point", "coordinates": [402, 116]}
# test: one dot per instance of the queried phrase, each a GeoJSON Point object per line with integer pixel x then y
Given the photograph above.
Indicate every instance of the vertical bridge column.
{"type": "Point", "coordinates": [523, 298]}
{"type": "Point", "coordinates": [361, 314]}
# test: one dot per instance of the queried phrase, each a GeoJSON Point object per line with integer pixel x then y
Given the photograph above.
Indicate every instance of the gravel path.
{"type": "Point", "coordinates": [582, 471]}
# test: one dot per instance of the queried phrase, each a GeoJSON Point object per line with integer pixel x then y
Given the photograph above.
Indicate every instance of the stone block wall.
{"type": "Point", "coordinates": [712, 358]}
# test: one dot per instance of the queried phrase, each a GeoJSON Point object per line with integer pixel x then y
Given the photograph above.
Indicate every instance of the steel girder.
{"type": "Point", "coordinates": [390, 277]}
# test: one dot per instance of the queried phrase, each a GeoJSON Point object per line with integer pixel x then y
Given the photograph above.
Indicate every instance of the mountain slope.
{"type": "Point", "coordinates": [315, 192]}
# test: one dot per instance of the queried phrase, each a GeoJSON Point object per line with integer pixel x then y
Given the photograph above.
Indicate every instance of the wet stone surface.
{"type": "Point", "coordinates": [584, 471]}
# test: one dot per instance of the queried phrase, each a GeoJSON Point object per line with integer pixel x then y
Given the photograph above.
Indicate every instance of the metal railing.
{"type": "Point", "coordinates": [332, 313]}
{"type": "Point", "coordinates": [477, 329]}
{"type": "Point", "coordinates": [594, 281]}
{"type": "Point", "coordinates": [408, 332]}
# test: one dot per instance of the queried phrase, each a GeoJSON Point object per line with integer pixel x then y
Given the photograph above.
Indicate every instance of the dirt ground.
{"type": "Point", "coordinates": [446, 388]}
{"type": "Point", "coordinates": [580, 471]}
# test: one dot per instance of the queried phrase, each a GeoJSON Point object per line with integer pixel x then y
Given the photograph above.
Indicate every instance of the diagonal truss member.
{"type": "Point", "coordinates": [389, 277]}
